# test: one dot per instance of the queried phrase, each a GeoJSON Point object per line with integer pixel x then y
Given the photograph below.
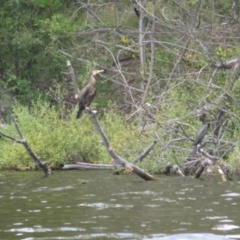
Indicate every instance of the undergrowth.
{"type": "Point", "coordinates": [56, 140]}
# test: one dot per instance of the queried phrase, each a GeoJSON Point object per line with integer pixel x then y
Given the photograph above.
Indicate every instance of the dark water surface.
{"type": "Point", "coordinates": [99, 205]}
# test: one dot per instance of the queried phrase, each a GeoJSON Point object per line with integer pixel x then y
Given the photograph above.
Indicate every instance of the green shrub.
{"type": "Point", "coordinates": [56, 140]}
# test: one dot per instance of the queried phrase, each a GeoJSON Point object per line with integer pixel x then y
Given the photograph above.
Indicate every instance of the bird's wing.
{"type": "Point", "coordinates": [83, 94]}
{"type": "Point", "coordinates": [91, 95]}
{"type": "Point", "coordinates": [201, 133]}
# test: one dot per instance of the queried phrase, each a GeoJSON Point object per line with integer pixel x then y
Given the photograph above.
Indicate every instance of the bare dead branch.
{"type": "Point", "coordinates": [89, 9]}
{"type": "Point", "coordinates": [147, 150]}
{"type": "Point", "coordinates": [213, 158]}
{"type": "Point", "coordinates": [80, 59]}
{"type": "Point", "coordinates": [151, 71]}
{"type": "Point", "coordinates": [129, 49]}
{"type": "Point", "coordinates": [116, 158]}
{"type": "Point", "coordinates": [11, 138]}
{"type": "Point", "coordinates": [141, 38]}
{"type": "Point", "coordinates": [179, 58]}
{"type": "Point", "coordinates": [206, 162]}
{"type": "Point", "coordinates": [89, 166]}
{"type": "Point", "coordinates": [175, 168]}
{"type": "Point", "coordinates": [24, 142]}
{"type": "Point", "coordinates": [196, 15]}
{"type": "Point", "coordinates": [226, 65]}
{"type": "Point", "coordinates": [73, 77]}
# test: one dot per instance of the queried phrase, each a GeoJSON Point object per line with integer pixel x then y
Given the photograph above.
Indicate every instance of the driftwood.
{"type": "Point", "coordinates": [201, 162]}
{"type": "Point", "coordinates": [117, 160]}
{"type": "Point", "coordinates": [175, 169]}
{"type": "Point", "coordinates": [89, 166]}
{"type": "Point", "coordinates": [23, 141]}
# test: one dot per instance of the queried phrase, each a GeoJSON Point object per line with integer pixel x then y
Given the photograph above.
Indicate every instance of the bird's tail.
{"type": "Point", "coordinates": [194, 150]}
{"type": "Point", "coordinates": [80, 110]}
{"type": "Point", "coordinates": [79, 113]}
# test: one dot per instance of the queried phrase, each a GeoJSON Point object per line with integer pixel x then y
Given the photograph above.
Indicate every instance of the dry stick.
{"type": "Point", "coordinates": [116, 158]}
{"type": "Point", "coordinates": [209, 160]}
{"type": "Point", "coordinates": [88, 8]}
{"type": "Point", "coordinates": [79, 59]}
{"type": "Point", "coordinates": [89, 166]}
{"type": "Point", "coordinates": [150, 77]}
{"type": "Point", "coordinates": [147, 150]}
{"type": "Point", "coordinates": [175, 168]}
{"type": "Point", "coordinates": [179, 58]}
{"type": "Point", "coordinates": [214, 161]}
{"type": "Point", "coordinates": [23, 141]}
{"type": "Point", "coordinates": [76, 89]}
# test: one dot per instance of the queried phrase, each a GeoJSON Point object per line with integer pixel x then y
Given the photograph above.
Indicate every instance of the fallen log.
{"type": "Point", "coordinates": [89, 166]}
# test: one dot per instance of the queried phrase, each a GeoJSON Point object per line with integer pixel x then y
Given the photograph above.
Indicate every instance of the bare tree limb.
{"type": "Point", "coordinates": [23, 141]}
{"type": "Point", "coordinates": [147, 150]}
{"type": "Point", "coordinates": [175, 168]}
{"type": "Point", "coordinates": [80, 59]}
{"type": "Point", "coordinates": [116, 158]}
{"type": "Point", "coordinates": [89, 166]}
{"type": "Point", "coordinates": [73, 77]}
{"type": "Point", "coordinates": [88, 8]}
{"type": "Point", "coordinates": [227, 64]}
{"type": "Point", "coordinates": [150, 77]}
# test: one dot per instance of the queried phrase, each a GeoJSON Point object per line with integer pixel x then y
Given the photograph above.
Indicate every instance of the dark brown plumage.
{"type": "Point", "coordinates": [88, 93]}
{"type": "Point", "coordinates": [201, 133]}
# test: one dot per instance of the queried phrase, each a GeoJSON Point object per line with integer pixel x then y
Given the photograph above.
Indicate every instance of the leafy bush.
{"type": "Point", "coordinates": [56, 141]}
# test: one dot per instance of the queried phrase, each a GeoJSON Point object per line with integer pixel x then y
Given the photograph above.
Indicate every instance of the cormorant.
{"type": "Point", "coordinates": [88, 93]}
{"type": "Point", "coordinates": [201, 133]}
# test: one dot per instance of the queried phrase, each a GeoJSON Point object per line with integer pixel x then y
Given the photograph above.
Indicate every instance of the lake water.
{"type": "Point", "coordinates": [100, 205]}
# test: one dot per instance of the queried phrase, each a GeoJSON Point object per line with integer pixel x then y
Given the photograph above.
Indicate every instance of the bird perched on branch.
{"type": "Point", "coordinates": [88, 93]}
{"type": "Point", "coordinates": [201, 133]}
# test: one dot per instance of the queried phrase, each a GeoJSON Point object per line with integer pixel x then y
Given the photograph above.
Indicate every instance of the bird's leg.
{"type": "Point", "coordinates": [89, 110]}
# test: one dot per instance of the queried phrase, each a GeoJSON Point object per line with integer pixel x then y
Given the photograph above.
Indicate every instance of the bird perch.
{"type": "Point", "coordinates": [117, 160]}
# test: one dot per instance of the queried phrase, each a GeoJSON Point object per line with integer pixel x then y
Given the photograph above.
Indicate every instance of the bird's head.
{"type": "Point", "coordinates": [95, 72]}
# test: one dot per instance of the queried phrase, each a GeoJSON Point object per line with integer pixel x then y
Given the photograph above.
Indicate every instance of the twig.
{"type": "Point", "coordinates": [147, 150]}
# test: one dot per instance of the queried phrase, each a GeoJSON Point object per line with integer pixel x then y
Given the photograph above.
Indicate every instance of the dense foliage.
{"type": "Point", "coordinates": [163, 60]}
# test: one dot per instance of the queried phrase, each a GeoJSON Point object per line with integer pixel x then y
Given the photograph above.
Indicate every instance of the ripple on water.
{"type": "Point", "coordinates": [101, 205]}
{"type": "Point", "coordinates": [225, 227]}
{"type": "Point", "coordinates": [117, 208]}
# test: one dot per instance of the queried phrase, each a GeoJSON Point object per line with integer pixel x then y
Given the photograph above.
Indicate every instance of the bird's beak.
{"type": "Point", "coordinates": [99, 71]}
{"type": "Point", "coordinates": [95, 72]}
